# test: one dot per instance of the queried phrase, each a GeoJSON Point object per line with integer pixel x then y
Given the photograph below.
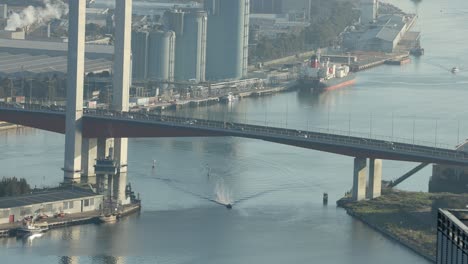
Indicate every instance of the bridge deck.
{"type": "Point", "coordinates": [97, 123]}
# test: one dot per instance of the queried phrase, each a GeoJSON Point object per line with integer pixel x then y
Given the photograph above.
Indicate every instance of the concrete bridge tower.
{"type": "Point", "coordinates": [75, 79]}
{"type": "Point", "coordinates": [81, 153]}
{"type": "Point", "coordinates": [122, 72]}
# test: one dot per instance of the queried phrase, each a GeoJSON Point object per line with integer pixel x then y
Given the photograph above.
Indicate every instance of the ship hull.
{"type": "Point", "coordinates": [328, 85]}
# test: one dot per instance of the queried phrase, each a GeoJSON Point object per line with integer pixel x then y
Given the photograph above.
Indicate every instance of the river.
{"type": "Point", "coordinates": [278, 216]}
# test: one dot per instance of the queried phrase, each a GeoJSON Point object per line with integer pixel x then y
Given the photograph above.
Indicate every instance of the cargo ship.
{"type": "Point", "coordinates": [326, 76]}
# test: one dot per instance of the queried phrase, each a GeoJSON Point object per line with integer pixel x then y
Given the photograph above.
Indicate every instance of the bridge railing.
{"type": "Point", "coordinates": [317, 134]}
{"type": "Point", "coordinates": [325, 135]}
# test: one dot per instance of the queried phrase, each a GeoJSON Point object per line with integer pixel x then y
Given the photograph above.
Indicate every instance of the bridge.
{"type": "Point", "coordinates": [101, 124]}
{"type": "Point", "coordinates": [87, 148]}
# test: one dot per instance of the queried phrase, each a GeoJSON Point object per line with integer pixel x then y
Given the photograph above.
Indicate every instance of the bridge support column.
{"type": "Point", "coordinates": [75, 79]}
{"type": "Point", "coordinates": [88, 157]}
{"type": "Point", "coordinates": [375, 178]}
{"type": "Point", "coordinates": [121, 153]}
{"type": "Point", "coordinates": [120, 184]}
{"type": "Point", "coordinates": [359, 179]}
{"type": "Point", "coordinates": [122, 72]}
{"type": "Point", "coordinates": [103, 146]}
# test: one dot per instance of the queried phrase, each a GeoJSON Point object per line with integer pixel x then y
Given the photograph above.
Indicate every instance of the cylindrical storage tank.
{"type": "Point", "coordinates": [227, 42]}
{"type": "Point", "coordinates": [161, 55]}
{"type": "Point", "coordinates": [190, 51]}
{"type": "Point", "coordinates": [139, 55]}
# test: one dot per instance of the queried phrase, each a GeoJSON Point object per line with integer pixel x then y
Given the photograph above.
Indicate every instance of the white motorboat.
{"type": "Point", "coordinates": [33, 228]}
{"type": "Point", "coordinates": [455, 70]}
{"type": "Point", "coordinates": [229, 97]}
{"type": "Point", "coordinates": [108, 218]}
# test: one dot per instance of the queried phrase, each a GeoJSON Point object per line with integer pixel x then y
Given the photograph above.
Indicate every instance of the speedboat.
{"type": "Point", "coordinates": [454, 70]}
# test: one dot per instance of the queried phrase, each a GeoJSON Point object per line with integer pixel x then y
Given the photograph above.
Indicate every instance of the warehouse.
{"type": "Point", "coordinates": [69, 200]}
{"type": "Point", "coordinates": [25, 65]}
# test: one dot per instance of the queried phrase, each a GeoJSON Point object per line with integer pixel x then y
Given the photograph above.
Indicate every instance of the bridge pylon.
{"type": "Point", "coordinates": [75, 80]}
{"type": "Point", "coordinates": [360, 190]}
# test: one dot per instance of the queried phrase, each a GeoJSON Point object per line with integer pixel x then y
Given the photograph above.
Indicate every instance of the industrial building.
{"type": "Point", "coordinates": [266, 6]}
{"type": "Point", "coordinates": [25, 65]}
{"type": "Point", "coordinates": [383, 35]}
{"type": "Point", "coordinates": [450, 178]}
{"type": "Point", "coordinates": [70, 200]}
{"type": "Point", "coordinates": [228, 39]}
{"type": "Point", "coordinates": [452, 236]}
{"type": "Point", "coordinates": [190, 27]}
{"type": "Point", "coordinates": [17, 34]}
{"type": "Point", "coordinates": [271, 25]}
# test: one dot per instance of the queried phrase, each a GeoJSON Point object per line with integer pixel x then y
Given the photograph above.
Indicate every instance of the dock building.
{"type": "Point", "coordinates": [68, 200]}
{"type": "Point", "coordinates": [228, 39]}
{"type": "Point", "coordinates": [383, 35]}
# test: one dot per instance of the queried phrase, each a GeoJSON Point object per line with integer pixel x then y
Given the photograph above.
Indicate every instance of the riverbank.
{"type": "Point", "coordinates": [406, 217]}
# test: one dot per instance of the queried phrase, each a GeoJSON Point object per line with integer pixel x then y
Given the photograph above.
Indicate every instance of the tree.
{"type": "Point", "coordinates": [13, 187]}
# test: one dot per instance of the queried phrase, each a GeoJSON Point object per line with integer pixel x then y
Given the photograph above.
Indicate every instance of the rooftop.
{"type": "Point", "coordinates": [26, 65]}
{"type": "Point", "coordinates": [46, 197]}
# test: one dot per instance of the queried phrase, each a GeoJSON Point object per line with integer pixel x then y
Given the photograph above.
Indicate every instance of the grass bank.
{"type": "Point", "coordinates": [407, 217]}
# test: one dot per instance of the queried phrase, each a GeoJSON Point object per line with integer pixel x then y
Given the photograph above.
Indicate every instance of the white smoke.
{"type": "Point", "coordinates": [53, 9]}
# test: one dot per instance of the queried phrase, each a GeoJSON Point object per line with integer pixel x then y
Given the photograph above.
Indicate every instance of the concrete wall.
{"type": "Point", "coordinates": [70, 206]}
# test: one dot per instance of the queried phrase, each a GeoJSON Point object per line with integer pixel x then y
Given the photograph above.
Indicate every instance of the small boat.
{"type": "Point", "coordinates": [455, 70]}
{"type": "Point", "coordinates": [229, 97]}
{"type": "Point", "coordinates": [33, 228]}
{"type": "Point", "coordinates": [108, 218]}
{"type": "Point", "coordinates": [229, 206]}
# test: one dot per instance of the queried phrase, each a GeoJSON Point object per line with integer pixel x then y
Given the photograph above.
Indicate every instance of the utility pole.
{"type": "Point", "coordinates": [392, 124]}
{"type": "Point", "coordinates": [349, 125]}
{"type": "Point", "coordinates": [30, 90]}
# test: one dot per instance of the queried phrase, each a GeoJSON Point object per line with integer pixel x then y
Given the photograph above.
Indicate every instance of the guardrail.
{"type": "Point", "coordinates": [397, 145]}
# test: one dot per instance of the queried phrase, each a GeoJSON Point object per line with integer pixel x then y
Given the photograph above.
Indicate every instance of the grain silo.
{"type": "Point", "coordinates": [228, 37]}
{"type": "Point", "coordinates": [139, 54]}
{"type": "Point", "coordinates": [161, 54]}
{"type": "Point", "coordinates": [190, 27]}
